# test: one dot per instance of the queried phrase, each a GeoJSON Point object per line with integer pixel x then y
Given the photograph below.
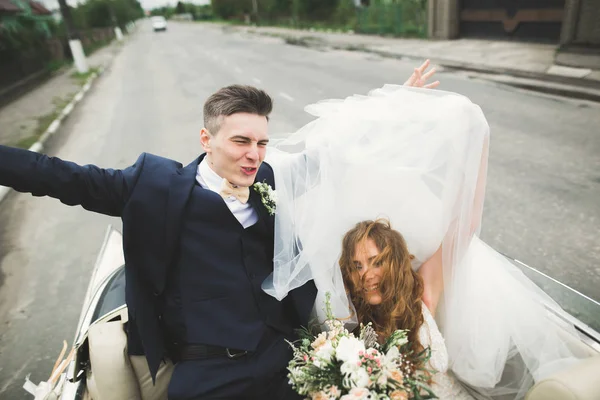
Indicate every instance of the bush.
{"type": "Point", "coordinates": [397, 17]}
{"type": "Point", "coordinates": [345, 14]}
{"type": "Point", "coordinates": [106, 13]}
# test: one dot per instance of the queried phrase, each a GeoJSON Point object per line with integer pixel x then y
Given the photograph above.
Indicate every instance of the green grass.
{"type": "Point", "coordinates": [82, 78]}
{"type": "Point", "coordinates": [222, 21]}
{"type": "Point", "coordinates": [44, 121]}
{"type": "Point", "coordinates": [27, 142]}
{"type": "Point", "coordinates": [407, 29]}
{"type": "Point", "coordinates": [56, 65]}
{"type": "Point", "coordinates": [287, 23]}
{"type": "Point", "coordinates": [96, 45]}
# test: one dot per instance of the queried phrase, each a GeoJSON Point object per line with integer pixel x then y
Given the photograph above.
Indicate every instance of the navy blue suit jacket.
{"type": "Point", "coordinates": [150, 197]}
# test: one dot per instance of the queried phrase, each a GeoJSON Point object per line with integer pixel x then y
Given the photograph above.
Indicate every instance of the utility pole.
{"type": "Point", "coordinates": [73, 36]}
{"type": "Point", "coordinates": [255, 10]}
{"type": "Point", "coordinates": [113, 19]}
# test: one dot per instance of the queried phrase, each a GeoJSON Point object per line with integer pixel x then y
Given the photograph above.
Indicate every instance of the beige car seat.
{"type": "Point", "coordinates": [115, 375]}
{"type": "Point", "coordinates": [580, 382]}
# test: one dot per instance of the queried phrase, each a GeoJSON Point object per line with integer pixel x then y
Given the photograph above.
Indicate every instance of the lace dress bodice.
{"type": "Point", "coordinates": [444, 385]}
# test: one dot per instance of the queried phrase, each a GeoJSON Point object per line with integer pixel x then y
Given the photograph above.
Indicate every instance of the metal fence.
{"type": "Point", "coordinates": [22, 69]}
{"type": "Point", "coordinates": [406, 18]}
{"type": "Point", "coordinates": [17, 67]}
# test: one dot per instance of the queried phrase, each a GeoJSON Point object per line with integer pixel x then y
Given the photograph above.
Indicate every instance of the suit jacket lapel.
{"type": "Point", "coordinates": [180, 189]}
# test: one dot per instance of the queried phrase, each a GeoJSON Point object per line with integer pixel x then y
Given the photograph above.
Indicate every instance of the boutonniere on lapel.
{"type": "Point", "coordinates": [268, 196]}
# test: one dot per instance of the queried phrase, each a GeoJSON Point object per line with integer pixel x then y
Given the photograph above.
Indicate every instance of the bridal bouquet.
{"type": "Point", "coordinates": [338, 365]}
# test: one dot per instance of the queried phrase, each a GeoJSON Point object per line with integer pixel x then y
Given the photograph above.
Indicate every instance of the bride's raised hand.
{"type": "Point", "coordinates": [419, 77]}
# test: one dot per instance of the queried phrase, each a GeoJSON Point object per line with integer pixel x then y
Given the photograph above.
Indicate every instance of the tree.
{"type": "Point", "coordinates": [100, 13]}
{"type": "Point", "coordinates": [227, 9]}
{"type": "Point", "coordinates": [275, 9]}
{"type": "Point", "coordinates": [345, 13]}
{"type": "Point", "coordinates": [320, 10]}
{"type": "Point", "coordinates": [65, 10]}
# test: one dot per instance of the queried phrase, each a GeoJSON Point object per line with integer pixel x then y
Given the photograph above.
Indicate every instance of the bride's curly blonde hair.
{"type": "Point", "coordinates": [401, 288]}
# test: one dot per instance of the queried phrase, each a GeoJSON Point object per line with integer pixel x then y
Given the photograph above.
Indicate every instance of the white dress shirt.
{"type": "Point", "coordinates": [208, 179]}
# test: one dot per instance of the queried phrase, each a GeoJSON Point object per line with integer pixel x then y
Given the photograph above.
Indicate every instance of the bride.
{"type": "Point", "coordinates": [417, 158]}
{"type": "Point", "coordinates": [384, 289]}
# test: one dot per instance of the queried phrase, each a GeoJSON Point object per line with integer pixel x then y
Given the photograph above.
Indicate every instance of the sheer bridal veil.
{"type": "Point", "coordinates": [419, 158]}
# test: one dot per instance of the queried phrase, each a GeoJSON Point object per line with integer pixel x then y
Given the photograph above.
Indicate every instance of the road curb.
{"type": "Point", "coordinates": [65, 112]}
{"type": "Point", "coordinates": [577, 88]}
{"type": "Point", "coordinates": [546, 83]}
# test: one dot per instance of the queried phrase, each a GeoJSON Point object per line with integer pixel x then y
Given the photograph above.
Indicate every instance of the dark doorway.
{"type": "Point", "coordinates": [523, 20]}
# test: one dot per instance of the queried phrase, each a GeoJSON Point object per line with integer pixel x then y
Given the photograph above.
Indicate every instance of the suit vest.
{"type": "Point", "coordinates": [213, 294]}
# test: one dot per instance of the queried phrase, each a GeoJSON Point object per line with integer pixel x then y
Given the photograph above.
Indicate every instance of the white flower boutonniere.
{"type": "Point", "coordinates": [267, 195]}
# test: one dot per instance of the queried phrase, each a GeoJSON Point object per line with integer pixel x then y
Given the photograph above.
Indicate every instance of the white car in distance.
{"type": "Point", "coordinates": [159, 23]}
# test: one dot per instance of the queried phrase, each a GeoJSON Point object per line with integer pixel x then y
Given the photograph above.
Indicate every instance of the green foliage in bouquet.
{"type": "Point", "coordinates": [336, 364]}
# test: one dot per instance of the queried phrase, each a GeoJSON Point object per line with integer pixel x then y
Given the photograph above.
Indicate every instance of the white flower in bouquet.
{"type": "Point", "coordinates": [333, 391]}
{"type": "Point", "coordinates": [296, 374]}
{"type": "Point", "coordinates": [325, 352]}
{"type": "Point", "coordinates": [402, 341]}
{"type": "Point", "coordinates": [349, 349]}
{"type": "Point", "coordinates": [332, 334]}
{"type": "Point", "coordinates": [354, 376]}
{"type": "Point", "coordinates": [398, 395]}
{"type": "Point", "coordinates": [359, 378]}
{"type": "Point", "coordinates": [348, 368]}
{"type": "Point", "coordinates": [328, 393]}
{"type": "Point", "coordinates": [339, 365]}
{"type": "Point", "coordinates": [319, 341]}
{"type": "Point", "coordinates": [359, 394]}
{"type": "Point", "coordinates": [389, 361]}
{"type": "Point", "coordinates": [396, 375]}
{"type": "Point", "coordinates": [334, 329]}
{"type": "Point", "coordinates": [320, 395]}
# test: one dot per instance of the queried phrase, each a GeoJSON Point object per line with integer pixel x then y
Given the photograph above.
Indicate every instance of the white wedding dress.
{"type": "Point", "coordinates": [444, 385]}
{"type": "Point", "coordinates": [419, 158]}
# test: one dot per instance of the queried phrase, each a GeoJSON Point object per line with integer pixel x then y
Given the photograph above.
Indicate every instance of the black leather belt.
{"type": "Point", "coordinates": [189, 352]}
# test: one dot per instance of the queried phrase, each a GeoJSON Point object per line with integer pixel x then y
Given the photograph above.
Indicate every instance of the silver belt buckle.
{"type": "Point", "coordinates": [233, 356]}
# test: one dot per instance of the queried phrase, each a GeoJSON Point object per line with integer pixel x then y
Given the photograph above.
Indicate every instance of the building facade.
{"type": "Point", "coordinates": [563, 22]}
{"type": "Point", "coordinates": [574, 25]}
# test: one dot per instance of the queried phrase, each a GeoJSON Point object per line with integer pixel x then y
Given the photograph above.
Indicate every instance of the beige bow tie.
{"type": "Point", "coordinates": [239, 192]}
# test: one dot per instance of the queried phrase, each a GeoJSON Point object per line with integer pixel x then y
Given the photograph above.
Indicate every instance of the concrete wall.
{"type": "Point", "coordinates": [581, 25]}
{"type": "Point", "coordinates": [580, 35]}
{"type": "Point", "coordinates": [443, 19]}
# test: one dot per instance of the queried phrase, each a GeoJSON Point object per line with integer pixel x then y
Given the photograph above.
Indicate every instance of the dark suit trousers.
{"type": "Point", "coordinates": [260, 375]}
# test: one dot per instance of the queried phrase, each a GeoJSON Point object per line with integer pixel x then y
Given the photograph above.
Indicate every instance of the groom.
{"type": "Point", "coordinates": [198, 243]}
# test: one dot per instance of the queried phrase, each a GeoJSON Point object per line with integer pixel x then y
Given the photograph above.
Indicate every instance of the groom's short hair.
{"type": "Point", "coordinates": [235, 99]}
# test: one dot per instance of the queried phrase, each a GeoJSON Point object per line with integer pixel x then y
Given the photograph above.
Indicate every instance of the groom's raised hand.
{"type": "Point", "coordinates": [419, 77]}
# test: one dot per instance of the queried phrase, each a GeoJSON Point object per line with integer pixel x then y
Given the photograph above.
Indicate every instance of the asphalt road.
{"type": "Point", "coordinates": [543, 196]}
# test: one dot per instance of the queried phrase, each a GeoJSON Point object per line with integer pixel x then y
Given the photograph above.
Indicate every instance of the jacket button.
{"type": "Point", "coordinates": [156, 294]}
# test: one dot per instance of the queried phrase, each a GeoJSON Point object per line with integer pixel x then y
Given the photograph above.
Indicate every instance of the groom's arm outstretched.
{"type": "Point", "coordinates": [96, 189]}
